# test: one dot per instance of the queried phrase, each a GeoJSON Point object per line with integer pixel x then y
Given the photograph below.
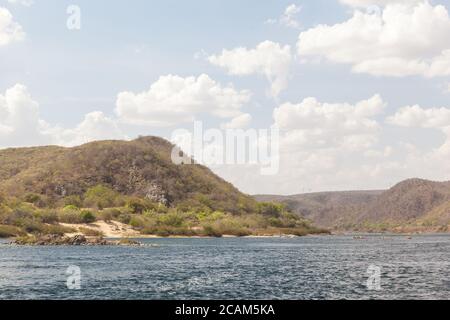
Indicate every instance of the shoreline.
{"type": "Point", "coordinates": [356, 235]}
{"type": "Point", "coordinates": [144, 237]}
{"type": "Point", "coordinates": [114, 230]}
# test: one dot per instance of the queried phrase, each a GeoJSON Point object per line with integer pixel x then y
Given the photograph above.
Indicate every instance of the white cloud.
{"type": "Point", "coordinates": [367, 3]}
{"type": "Point", "coordinates": [173, 100]}
{"type": "Point", "coordinates": [440, 65]}
{"type": "Point", "coordinates": [21, 124]}
{"type": "Point", "coordinates": [10, 31]}
{"type": "Point", "coordinates": [268, 58]}
{"type": "Point", "coordinates": [26, 3]}
{"type": "Point", "coordinates": [342, 146]}
{"type": "Point", "coordinates": [95, 126]}
{"type": "Point", "coordinates": [19, 118]}
{"type": "Point", "coordinates": [239, 122]}
{"type": "Point", "coordinates": [318, 130]}
{"type": "Point", "coordinates": [323, 146]}
{"type": "Point", "coordinates": [431, 118]}
{"type": "Point", "coordinates": [312, 123]}
{"type": "Point", "coordinates": [288, 18]}
{"type": "Point", "coordinates": [416, 116]}
{"type": "Point", "coordinates": [403, 40]}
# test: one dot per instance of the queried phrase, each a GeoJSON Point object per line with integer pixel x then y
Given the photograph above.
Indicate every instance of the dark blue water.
{"type": "Point", "coordinates": [332, 267]}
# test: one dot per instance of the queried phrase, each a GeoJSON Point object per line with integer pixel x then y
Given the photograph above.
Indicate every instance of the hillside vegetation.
{"type": "Point", "coordinates": [413, 205]}
{"type": "Point", "coordinates": [132, 182]}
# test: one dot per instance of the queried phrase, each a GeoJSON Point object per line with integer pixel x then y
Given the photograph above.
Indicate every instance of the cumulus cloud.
{"type": "Point", "coordinates": [343, 146]}
{"type": "Point", "coordinates": [95, 126]}
{"type": "Point", "coordinates": [173, 100]}
{"type": "Point", "coordinates": [10, 31]}
{"type": "Point", "coordinates": [311, 113]}
{"type": "Point", "coordinates": [312, 123]}
{"type": "Point", "coordinates": [323, 146]}
{"type": "Point", "coordinates": [429, 118]}
{"type": "Point", "coordinates": [19, 118]}
{"type": "Point", "coordinates": [288, 18]}
{"type": "Point", "coordinates": [416, 116]}
{"type": "Point", "coordinates": [22, 125]}
{"type": "Point", "coordinates": [381, 45]}
{"type": "Point", "coordinates": [269, 59]}
{"type": "Point", "coordinates": [239, 122]}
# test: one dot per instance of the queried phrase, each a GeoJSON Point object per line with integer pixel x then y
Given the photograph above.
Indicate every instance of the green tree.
{"type": "Point", "coordinates": [74, 201]}
{"type": "Point", "coordinates": [87, 216]}
{"type": "Point", "coordinates": [100, 197]}
{"type": "Point", "coordinates": [270, 209]}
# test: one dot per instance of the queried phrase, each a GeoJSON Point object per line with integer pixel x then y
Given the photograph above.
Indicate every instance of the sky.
{"type": "Point", "coordinates": [359, 89]}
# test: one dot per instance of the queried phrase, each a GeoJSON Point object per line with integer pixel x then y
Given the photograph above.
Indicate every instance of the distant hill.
{"type": "Point", "coordinates": [408, 200]}
{"type": "Point", "coordinates": [136, 168]}
{"type": "Point", "coordinates": [412, 205]}
{"type": "Point", "coordinates": [336, 210]}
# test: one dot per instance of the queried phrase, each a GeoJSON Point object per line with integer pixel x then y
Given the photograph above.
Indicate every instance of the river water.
{"type": "Point", "coordinates": [322, 267]}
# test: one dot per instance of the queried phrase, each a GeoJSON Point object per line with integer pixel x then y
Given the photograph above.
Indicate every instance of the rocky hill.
{"type": "Point", "coordinates": [65, 191]}
{"type": "Point", "coordinates": [141, 168]}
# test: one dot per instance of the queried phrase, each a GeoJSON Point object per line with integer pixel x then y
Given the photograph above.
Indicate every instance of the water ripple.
{"type": "Point", "coordinates": [302, 268]}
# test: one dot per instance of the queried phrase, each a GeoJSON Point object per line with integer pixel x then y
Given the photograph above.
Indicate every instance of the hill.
{"type": "Point", "coordinates": [55, 189]}
{"type": "Point", "coordinates": [334, 210]}
{"type": "Point", "coordinates": [408, 200]}
{"type": "Point", "coordinates": [412, 205]}
{"type": "Point", "coordinates": [139, 168]}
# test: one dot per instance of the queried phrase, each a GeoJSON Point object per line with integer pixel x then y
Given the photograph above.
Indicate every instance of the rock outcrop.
{"type": "Point", "coordinates": [78, 240]}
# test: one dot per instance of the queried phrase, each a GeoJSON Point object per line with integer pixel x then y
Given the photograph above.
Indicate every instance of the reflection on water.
{"type": "Point", "coordinates": [333, 267]}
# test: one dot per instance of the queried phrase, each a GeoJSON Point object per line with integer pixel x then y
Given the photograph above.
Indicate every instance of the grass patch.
{"type": "Point", "coordinates": [10, 231]}
{"type": "Point", "coordinates": [91, 232]}
{"type": "Point", "coordinates": [57, 230]}
{"type": "Point", "coordinates": [167, 231]}
{"type": "Point", "coordinates": [70, 217]}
